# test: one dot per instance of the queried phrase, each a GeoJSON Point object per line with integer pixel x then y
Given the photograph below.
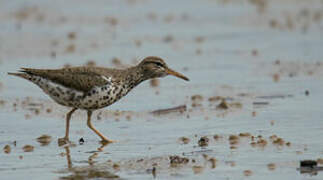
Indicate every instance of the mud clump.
{"type": "Point", "coordinates": [44, 139]}
{"type": "Point", "coordinates": [217, 137]}
{"type": "Point", "coordinates": [197, 97]}
{"type": "Point", "coordinates": [247, 172]}
{"type": "Point", "coordinates": [223, 105]}
{"type": "Point", "coordinates": [233, 139]}
{"type": "Point", "coordinates": [197, 100]}
{"type": "Point", "coordinates": [7, 149]}
{"type": "Point", "coordinates": [246, 134]}
{"type": "Point", "coordinates": [177, 160]}
{"type": "Point", "coordinates": [28, 148]}
{"type": "Point", "coordinates": [271, 166]}
{"type": "Point", "coordinates": [214, 98]}
{"type": "Point", "coordinates": [116, 166]}
{"type": "Point", "coordinates": [261, 142]}
{"type": "Point", "coordinates": [71, 35]}
{"type": "Point", "coordinates": [203, 141]}
{"type": "Point", "coordinates": [184, 140]}
{"type": "Point", "coordinates": [279, 141]}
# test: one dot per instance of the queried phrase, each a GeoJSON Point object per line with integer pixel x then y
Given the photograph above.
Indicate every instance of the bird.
{"type": "Point", "coordinates": [91, 88]}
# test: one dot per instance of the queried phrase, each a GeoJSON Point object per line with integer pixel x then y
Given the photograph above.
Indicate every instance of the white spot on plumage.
{"type": "Point", "coordinates": [97, 97]}
{"type": "Point", "coordinates": [107, 79]}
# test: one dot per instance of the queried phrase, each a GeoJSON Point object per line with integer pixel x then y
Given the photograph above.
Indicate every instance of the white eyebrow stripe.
{"type": "Point", "coordinates": [105, 78]}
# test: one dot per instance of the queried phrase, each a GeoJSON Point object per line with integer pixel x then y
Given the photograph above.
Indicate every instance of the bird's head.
{"type": "Point", "coordinates": [155, 67]}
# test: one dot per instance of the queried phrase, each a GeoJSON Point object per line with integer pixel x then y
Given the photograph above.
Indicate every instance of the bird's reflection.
{"type": "Point", "coordinates": [90, 171]}
{"type": "Point", "coordinates": [313, 171]}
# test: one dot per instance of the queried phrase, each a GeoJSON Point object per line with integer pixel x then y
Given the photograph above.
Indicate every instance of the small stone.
{"type": "Point", "coordinates": [81, 141]}
{"type": "Point", "coordinates": [116, 166]}
{"type": "Point", "coordinates": [233, 139]}
{"type": "Point", "coordinates": [217, 137]}
{"type": "Point", "coordinates": [184, 140]}
{"type": "Point", "coordinates": [245, 134]}
{"type": "Point", "coordinates": [177, 160]}
{"type": "Point", "coordinates": [261, 142]}
{"type": "Point", "coordinates": [214, 98]}
{"type": "Point", "coordinates": [271, 166]}
{"type": "Point", "coordinates": [223, 105]}
{"type": "Point", "coordinates": [44, 139]}
{"type": "Point", "coordinates": [279, 141]}
{"type": "Point", "coordinates": [197, 97]}
{"type": "Point", "coordinates": [28, 148]}
{"type": "Point", "coordinates": [71, 35]}
{"type": "Point", "coordinates": [7, 149]}
{"type": "Point", "coordinates": [247, 172]}
{"type": "Point", "coordinates": [204, 141]}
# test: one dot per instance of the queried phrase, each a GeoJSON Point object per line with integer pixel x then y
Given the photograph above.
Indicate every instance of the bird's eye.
{"type": "Point", "coordinates": [159, 64]}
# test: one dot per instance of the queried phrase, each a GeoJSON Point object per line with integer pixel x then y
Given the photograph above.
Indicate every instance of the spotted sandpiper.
{"type": "Point", "coordinates": [92, 88]}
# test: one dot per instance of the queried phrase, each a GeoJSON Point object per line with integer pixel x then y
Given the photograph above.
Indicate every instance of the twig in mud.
{"type": "Point", "coordinates": [180, 109]}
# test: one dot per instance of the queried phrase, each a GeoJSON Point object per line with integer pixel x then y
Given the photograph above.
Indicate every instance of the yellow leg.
{"type": "Point", "coordinates": [65, 139]}
{"type": "Point", "coordinates": [104, 139]}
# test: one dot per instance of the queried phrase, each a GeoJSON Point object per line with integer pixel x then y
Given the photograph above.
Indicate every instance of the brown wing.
{"type": "Point", "coordinates": [79, 78]}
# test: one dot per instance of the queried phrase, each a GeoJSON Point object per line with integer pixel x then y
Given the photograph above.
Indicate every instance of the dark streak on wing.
{"type": "Point", "coordinates": [77, 78]}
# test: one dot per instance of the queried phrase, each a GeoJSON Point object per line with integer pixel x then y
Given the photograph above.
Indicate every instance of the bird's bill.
{"type": "Point", "coordinates": [177, 74]}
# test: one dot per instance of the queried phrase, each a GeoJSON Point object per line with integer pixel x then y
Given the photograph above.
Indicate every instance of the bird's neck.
{"type": "Point", "coordinates": [133, 76]}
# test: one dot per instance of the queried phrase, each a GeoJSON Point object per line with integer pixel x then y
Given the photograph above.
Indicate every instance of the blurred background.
{"type": "Point", "coordinates": [255, 67]}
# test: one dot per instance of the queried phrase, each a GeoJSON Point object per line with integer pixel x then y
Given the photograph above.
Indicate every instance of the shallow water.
{"type": "Point", "coordinates": [262, 59]}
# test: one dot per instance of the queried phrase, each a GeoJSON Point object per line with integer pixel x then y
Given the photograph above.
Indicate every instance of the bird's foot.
{"type": "Point", "coordinates": [63, 141]}
{"type": "Point", "coordinates": [106, 141]}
